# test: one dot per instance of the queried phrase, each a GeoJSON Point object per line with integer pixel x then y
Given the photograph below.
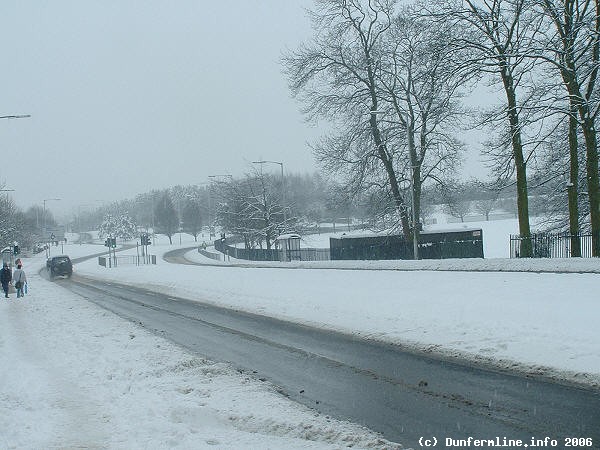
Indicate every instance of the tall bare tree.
{"type": "Point", "coordinates": [500, 34]}
{"type": "Point", "coordinates": [421, 87]}
{"type": "Point", "coordinates": [336, 76]}
{"type": "Point", "coordinates": [251, 208]}
{"type": "Point", "coordinates": [386, 79]}
{"type": "Point", "coordinates": [571, 44]}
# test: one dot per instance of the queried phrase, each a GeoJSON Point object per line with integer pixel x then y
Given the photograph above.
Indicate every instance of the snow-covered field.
{"type": "Point", "coordinates": [78, 376]}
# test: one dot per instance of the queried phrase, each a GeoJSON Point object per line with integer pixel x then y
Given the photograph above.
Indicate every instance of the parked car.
{"type": "Point", "coordinates": [59, 266]}
{"type": "Point", "coordinates": [37, 248]}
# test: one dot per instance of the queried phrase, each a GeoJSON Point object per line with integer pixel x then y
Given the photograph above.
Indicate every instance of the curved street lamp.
{"type": "Point", "coordinates": [23, 116]}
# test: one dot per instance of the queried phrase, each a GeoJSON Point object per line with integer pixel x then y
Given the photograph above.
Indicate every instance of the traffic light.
{"type": "Point", "coordinates": [145, 239]}
{"type": "Point", "coordinates": [16, 250]}
{"type": "Point", "coordinates": [106, 243]}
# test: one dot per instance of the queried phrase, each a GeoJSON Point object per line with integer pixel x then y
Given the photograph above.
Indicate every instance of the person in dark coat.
{"type": "Point", "coordinates": [5, 278]}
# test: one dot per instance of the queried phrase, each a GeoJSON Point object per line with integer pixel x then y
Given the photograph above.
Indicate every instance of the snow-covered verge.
{"type": "Point", "coordinates": [542, 265]}
{"type": "Point", "coordinates": [541, 324]}
{"type": "Point", "coordinates": [73, 375]}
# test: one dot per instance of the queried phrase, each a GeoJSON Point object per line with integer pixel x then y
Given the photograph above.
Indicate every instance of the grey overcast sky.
{"type": "Point", "coordinates": [128, 96]}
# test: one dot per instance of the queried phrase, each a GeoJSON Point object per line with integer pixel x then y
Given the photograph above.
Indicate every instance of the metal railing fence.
{"type": "Point", "coordinates": [115, 261]}
{"type": "Point", "coordinates": [552, 245]}
{"type": "Point", "coordinates": [273, 254]}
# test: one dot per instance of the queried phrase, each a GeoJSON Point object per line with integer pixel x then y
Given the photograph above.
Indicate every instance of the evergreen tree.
{"type": "Point", "coordinates": [166, 217]}
{"type": "Point", "coordinates": [192, 218]}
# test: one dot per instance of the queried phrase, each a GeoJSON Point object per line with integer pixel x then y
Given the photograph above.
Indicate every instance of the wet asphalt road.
{"type": "Point", "coordinates": [402, 395]}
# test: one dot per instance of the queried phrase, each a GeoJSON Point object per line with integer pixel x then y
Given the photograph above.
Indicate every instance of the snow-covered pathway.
{"type": "Point", "coordinates": [72, 417]}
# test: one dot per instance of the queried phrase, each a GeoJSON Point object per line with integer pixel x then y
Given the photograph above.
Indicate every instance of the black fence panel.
{"type": "Point", "coordinates": [471, 248]}
{"type": "Point", "coordinates": [432, 245]}
{"type": "Point", "coordinates": [370, 247]}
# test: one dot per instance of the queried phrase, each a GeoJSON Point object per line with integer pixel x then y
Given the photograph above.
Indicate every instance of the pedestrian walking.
{"type": "Point", "coordinates": [20, 279]}
{"type": "Point", "coordinates": [5, 278]}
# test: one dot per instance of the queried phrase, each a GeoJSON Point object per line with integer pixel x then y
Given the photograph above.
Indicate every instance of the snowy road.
{"type": "Point", "coordinates": [404, 396]}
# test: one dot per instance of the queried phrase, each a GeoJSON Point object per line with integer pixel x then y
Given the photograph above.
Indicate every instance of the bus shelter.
{"type": "Point", "coordinates": [289, 247]}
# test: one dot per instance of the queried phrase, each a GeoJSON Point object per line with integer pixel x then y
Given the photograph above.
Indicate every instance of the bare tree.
{"type": "Point", "coordinates": [455, 200]}
{"type": "Point", "coordinates": [571, 45]}
{"type": "Point", "coordinates": [500, 33]}
{"type": "Point", "coordinates": [231, 202]}
{"type": "Point", "coordinates": [336, 77]}
{"type": "Point", "coordinates": [389, 81]}
{"type": "Point", "coordinates": [251, 208]}
{"type": "Point", "coordinates": [488, 203]}
{"type": "Point", "coordinates": [421, 81]}
{"type": "Point", "coordinates": [556, 165]}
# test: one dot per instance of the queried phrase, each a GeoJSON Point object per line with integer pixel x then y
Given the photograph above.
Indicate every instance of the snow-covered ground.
{"type": "Point", "coordinates": [77, 375]}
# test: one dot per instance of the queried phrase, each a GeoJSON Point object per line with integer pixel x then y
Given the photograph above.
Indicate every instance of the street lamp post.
{"type": "Point", "coordinates": [414, 216]}
{"type": "Point", "coordinates": [282, 185]}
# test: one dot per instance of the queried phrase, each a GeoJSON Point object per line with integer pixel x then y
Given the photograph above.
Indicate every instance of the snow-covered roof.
{"type": "Point", "coordinates": [284, 237]}
{"type": "Point", "coordinates": [372, 235]}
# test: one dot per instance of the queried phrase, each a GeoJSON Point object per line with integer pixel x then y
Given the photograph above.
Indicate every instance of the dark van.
{"type": "Point", "coordinates": [59, 266]}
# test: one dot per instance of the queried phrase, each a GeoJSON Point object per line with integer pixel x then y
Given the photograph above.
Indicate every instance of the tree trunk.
{"type": "Point", "coordinates": [593, 182]}
{"type": "Point", "coordinates": [591, 151]}
{"type": "Point", "coordinates": [416, 185]}
{"type": "Point", "coordinates": [415, 173]}
{"type": "Point", "coordinates": [399, 202]}
{"type": "Point", "coordinates": [526, 250]}
{"type": "Point", "coordinates": [578, 100]}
